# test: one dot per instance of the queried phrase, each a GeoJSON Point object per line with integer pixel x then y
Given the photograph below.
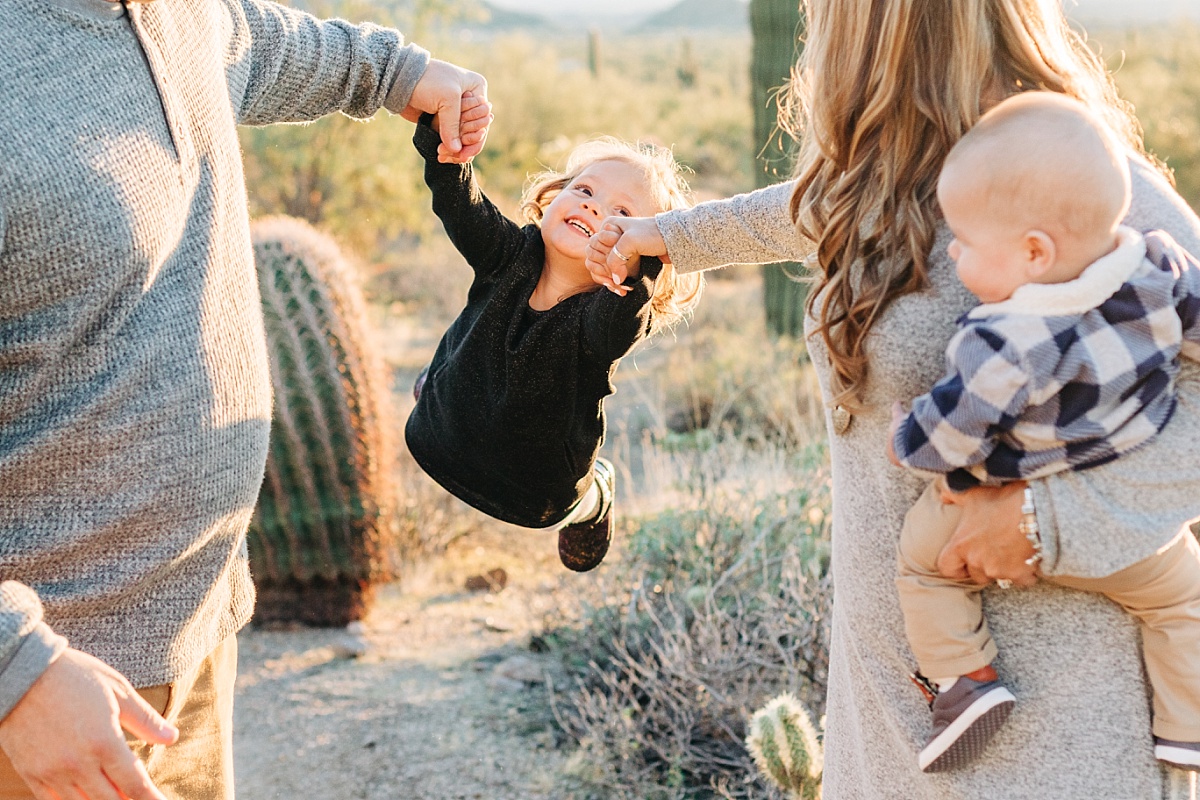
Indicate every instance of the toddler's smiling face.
{"type": "Point", "coordinates": [609, 188]}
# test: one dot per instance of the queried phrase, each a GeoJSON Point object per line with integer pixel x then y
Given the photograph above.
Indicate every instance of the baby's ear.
{"type": "Point", "coordinates": [1040, 253]}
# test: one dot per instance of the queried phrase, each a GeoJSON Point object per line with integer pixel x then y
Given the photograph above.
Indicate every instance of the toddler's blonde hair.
{"type": "Point", "coordinates": [675, 294]}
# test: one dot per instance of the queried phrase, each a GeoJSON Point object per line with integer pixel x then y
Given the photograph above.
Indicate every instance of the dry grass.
{"type": "Point", "coordinates": [720, 599]}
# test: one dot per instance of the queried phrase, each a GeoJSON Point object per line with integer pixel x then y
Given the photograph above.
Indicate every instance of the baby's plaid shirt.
{"type": "Point", "coordinates": [1061, 376]}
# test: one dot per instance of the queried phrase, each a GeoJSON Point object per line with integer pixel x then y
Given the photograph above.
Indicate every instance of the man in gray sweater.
{"type": "Point", "coordinates": [134, 392]}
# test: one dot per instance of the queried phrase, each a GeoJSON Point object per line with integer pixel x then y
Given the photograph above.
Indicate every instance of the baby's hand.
{"type": "Point", "coordinates": [898, 416]}
{"type": "Point", "coordinates": [614, 251]}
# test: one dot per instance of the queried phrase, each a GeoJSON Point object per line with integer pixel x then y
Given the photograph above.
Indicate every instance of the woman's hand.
{"type": "Point", "coordinates": [614, 250]}
{"type": "Point", "coordinates": [988, 544]}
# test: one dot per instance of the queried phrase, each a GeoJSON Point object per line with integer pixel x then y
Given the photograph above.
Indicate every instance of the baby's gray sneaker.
{"type": "Point", "coordinates": [965, 718]}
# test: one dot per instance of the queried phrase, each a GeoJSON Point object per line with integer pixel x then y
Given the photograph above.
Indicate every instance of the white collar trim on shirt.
{"type": "Point", "coordinates": [1100, 281]}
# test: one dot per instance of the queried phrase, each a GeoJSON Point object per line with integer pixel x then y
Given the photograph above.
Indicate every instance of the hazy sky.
{"type": "Point", "coordinates": [639, 7]}
{"type": "Point", "coordinates": [1119, 10]}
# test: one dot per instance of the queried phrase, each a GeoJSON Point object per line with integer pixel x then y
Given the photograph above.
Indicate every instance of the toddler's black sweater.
{"type": "Point", "coordinates": [511, 415]}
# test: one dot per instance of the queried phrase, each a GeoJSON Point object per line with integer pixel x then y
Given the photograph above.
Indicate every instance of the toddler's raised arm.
{"type": "Point", "coordinates": [487, 239]}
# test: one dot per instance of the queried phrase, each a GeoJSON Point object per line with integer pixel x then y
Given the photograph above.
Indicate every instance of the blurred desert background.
{"type": "Point", "coordinates": [481, 668]}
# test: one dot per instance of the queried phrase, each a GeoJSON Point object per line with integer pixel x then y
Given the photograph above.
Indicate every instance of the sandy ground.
{"type": "Point", "coordinates": [421, 700]}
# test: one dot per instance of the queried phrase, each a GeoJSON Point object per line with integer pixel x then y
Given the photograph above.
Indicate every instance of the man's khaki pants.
{"type": "Point", "coordinates": [200, 703]}
{"type": "Point", "coordinates": [949, 635]}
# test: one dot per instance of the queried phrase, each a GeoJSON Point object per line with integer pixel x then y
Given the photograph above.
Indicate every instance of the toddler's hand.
{"type": "Point", "coordinates": [475, 117]}
{"type": "Point", "coordinates": [441, 91]}
{"type": "Point", "coordinates": [614, 251]}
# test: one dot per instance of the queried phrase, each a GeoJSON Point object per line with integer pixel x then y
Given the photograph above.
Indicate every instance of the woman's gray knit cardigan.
{"type": "Point", "coordinates": [1081, 728]}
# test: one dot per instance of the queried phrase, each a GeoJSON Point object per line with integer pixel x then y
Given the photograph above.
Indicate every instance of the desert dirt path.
{"type": "Point", "coordinates": [422, 700]}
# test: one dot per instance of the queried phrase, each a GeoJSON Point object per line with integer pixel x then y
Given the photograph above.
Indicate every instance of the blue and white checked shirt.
{"type": "Point", "coordinates": [1061, 376]}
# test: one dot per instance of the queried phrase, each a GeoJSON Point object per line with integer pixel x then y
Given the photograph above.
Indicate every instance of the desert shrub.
{"type": "Point", "coordinates": [725, 376]}
{"type": "Point", "coordinates": [719, 603]}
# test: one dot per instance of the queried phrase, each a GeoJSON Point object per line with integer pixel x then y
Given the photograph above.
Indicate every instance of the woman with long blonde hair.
{"type": "Point", "coordinates": [883, 91]}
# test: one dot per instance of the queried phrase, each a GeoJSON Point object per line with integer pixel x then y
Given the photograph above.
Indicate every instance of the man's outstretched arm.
{"type": "Point", "coordinates": [289, 66]}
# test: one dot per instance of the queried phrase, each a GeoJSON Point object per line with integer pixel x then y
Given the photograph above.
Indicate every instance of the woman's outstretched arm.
{"type": "Point", "coordinates": [751, 228]}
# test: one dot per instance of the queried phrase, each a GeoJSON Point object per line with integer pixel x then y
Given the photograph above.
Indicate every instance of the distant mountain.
{"type": "Point", "coordinates": [504, 19]}
{"type": "Point", "coordinates": [727, 15]}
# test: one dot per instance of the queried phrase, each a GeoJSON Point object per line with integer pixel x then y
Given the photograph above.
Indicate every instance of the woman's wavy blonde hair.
{"type": "Point", "coordinates": [675, 295]}
{"type": "Point", "coordinates": [883, 90]}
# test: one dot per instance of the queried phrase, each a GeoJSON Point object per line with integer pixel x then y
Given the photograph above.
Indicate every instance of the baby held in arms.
{"type": "Point", "coordinates": [1069, 361]}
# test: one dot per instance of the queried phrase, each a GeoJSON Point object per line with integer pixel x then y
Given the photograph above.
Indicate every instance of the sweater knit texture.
{"type": "Point", "coordinates": [511, 416]}
{"type": "Point", "coordinates": [1061, 376]}
{"type": "Point", "coordinates": [1081, 726]}
{"type": "Point", "coordinates": [135, 400]}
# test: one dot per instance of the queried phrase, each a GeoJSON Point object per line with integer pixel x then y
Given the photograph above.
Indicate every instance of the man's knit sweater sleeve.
{"type": "Point", "coordinates": [288, 66]}
{"type": "Point", "coordinates": [27, 645]}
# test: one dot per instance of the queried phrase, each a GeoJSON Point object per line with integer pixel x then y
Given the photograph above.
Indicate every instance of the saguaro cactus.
{"type": "Point", "coordinates": [318, 540]}
{"type": "Point", "coordinates": [595, 52]}
{"type": "Point", "coordinates": [785, 749]}
{"type": "Point", "coordinates": [775, 26]}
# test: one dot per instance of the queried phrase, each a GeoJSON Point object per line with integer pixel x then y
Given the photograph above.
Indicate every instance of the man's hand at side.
{"type": "Point", "coordinates": [64, 737]}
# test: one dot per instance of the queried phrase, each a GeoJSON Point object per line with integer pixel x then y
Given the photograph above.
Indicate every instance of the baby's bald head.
{"type": "Point", "coordinates": [1042, 160]}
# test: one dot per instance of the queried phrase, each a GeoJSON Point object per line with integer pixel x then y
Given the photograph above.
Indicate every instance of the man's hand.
{"type": "Point", "coordinates": [614, 250]}
{"type": "Point", "coordinates": [440, 92]}
{"type": "Point", "coordinates": [988, 544]}
{"type": "Point", "coordinates": [64, 736]}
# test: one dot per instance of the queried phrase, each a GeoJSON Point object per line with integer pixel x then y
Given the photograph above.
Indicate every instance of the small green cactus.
{"type": "Point", "coordinates": [784, 745]}
{"type": "Point", "coordinates": [688, 68]}
{"type": "Point", "coordinates": [318, 538]}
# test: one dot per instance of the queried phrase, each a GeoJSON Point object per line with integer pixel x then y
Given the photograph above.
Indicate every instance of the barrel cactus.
{"type": "Point", "coordinates": [784, 745]}
{"type": "Point", "coordinates": [318, 540]}
{"type": "Point", "coordinates": [775, 26]}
